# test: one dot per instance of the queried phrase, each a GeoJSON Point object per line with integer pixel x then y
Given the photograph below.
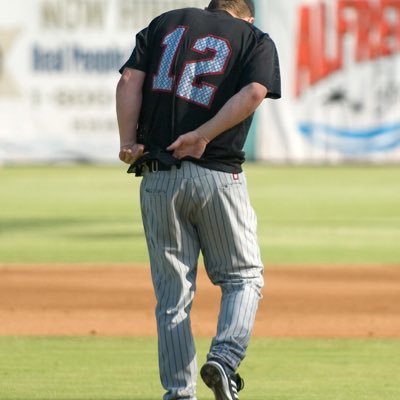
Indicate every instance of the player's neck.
{"type": "Point", "coordinates": [250, 20]}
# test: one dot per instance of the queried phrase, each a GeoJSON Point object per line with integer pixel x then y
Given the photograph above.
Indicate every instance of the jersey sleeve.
{"type": "Point", "coordinates": [263, 67]}
{"type": "Point", "coordinates": [140, 56]}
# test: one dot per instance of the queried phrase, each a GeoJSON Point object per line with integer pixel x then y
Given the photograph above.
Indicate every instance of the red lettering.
{"type": "Point", "coordinates": [372, 27]}
{"type": "Point", "coordinates": [390, 27]}
{"type": "Point", "coordinates": [364, 26]}
{"type": "Point", "coordinates": [324, 65]}
{"type": "Point", "coordinates": [303, 51]}
{"type": "Point", "coordinates": [313, 63]}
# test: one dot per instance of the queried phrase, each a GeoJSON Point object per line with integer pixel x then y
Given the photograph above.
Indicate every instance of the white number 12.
{"type": "Point", "coordinates": [187, 88]}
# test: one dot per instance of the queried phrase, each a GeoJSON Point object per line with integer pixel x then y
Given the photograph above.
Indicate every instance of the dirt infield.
{"type": "Point", "coordinates": [118, 300]}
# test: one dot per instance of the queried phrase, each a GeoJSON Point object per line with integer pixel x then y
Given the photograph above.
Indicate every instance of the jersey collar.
{"type": "Point", "coordinates": [220, 12]}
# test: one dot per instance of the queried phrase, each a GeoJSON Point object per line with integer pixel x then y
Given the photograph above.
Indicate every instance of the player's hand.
{"type": "Point", "coordinates": [129, 154]}
{"type": "Point", "coordinates": [190, 144]}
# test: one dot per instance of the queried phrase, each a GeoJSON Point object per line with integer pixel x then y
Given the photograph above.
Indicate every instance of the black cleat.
{"type": "Point", "coordinates": [225, 387]}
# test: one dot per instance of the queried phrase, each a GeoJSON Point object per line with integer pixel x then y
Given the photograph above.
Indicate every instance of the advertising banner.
{"type": "Point", "coordinates": [340, 63]}
{"type": "Point", "coordinates": [59, 62]}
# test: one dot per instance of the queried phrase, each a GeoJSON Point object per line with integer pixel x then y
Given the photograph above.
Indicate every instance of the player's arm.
{"type": "Point", "coordinates": [129, 103]}
{"type": "Point", "coordinates": [235, 110]}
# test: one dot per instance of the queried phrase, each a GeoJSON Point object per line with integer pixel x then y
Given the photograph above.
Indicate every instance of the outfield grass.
{"type": "Point", "coordinates": [306, 215]}
{"type": "Point", "coordinates": [126, 369]}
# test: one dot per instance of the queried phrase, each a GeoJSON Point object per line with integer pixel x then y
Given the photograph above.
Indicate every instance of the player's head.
{"type": "Point", "coordinates": [243, 9]}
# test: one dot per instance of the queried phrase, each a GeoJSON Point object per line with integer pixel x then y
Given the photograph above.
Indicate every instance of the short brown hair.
{"type": "Point", "coordinates": [241, 8]}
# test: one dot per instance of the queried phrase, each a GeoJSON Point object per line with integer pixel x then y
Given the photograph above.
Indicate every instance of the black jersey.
{"type": "Point", "coordinates": [195, 61]}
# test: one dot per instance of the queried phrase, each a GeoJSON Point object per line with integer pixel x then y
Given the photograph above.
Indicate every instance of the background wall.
{"type": "Point", "coordinates": [340, 71]}
{"type": "Point", "coordinates": [340, 63]}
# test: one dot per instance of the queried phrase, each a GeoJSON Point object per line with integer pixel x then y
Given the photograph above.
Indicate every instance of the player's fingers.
{"type": "Point", "coordinates": [126, 160]}
{"type": "Point", "coordinates": [125, 155]}
{"type": "Point", "coordinates": [139, 150]}
{"type": "Point", "coordinates": [174, 145]}
{"type": "Point", "coordinates": [181, 153]}
{"type": "Point", "coordinates": [121, 155]}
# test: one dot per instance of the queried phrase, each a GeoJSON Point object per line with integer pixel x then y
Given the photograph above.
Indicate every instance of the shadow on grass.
{"type": "Point", "coordinates": [8, 225]}
{"type": "Point", "coordinates": [29, 225]}
{"type": "Point", "coordinates": [107, 235]}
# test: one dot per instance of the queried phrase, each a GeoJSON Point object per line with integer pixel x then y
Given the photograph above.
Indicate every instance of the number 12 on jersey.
{"type": "Point", "coordinates": [186, 86]}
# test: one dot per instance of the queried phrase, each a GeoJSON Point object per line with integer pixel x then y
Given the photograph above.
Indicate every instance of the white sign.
{"type": "Point", "coordinates": [341, 81]}
{"type": "Point", "coordinates": [59, 62]}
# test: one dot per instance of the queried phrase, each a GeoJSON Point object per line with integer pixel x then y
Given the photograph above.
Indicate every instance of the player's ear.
{"type": "Point", "coordinates": [250, 20]}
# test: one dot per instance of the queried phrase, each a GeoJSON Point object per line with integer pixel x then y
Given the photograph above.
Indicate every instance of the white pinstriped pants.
{"type": "Point", "coordinates": [186, 211]}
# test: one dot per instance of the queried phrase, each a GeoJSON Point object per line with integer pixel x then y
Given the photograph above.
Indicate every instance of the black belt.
{"type": "Point", "coordinates": [155, 165]}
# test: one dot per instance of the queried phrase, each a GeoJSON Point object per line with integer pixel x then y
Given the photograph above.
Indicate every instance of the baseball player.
{"type": "Point", "coordinates": [185, 102]}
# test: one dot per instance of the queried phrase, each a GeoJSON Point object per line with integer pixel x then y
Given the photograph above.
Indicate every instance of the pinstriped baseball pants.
{"type": "Point", "coordinates": [185, 211]}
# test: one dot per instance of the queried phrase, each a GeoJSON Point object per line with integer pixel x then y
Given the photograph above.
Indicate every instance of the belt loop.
{"type": "Point", "coordinates": [154, 166]}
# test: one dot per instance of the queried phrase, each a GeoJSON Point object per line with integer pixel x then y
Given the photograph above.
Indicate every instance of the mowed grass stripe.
{"type": "Point", "coordinates": [126, 369]}
{"type": "Point", "coordinates": [316, 215]}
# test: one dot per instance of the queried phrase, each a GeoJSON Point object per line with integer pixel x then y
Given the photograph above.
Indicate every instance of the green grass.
{"type": "Point", "coordinates": [306, 215]}
{"type": "Point", "coordinates": [328, 215]}
{"type": "Point", "coordinates": [126, 369]}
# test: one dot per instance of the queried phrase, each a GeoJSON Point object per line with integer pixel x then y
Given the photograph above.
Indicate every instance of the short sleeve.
{"type": "Point", "coordinates": [263, 67]}
{"type": "Point", "coordinates": [140, 56]}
